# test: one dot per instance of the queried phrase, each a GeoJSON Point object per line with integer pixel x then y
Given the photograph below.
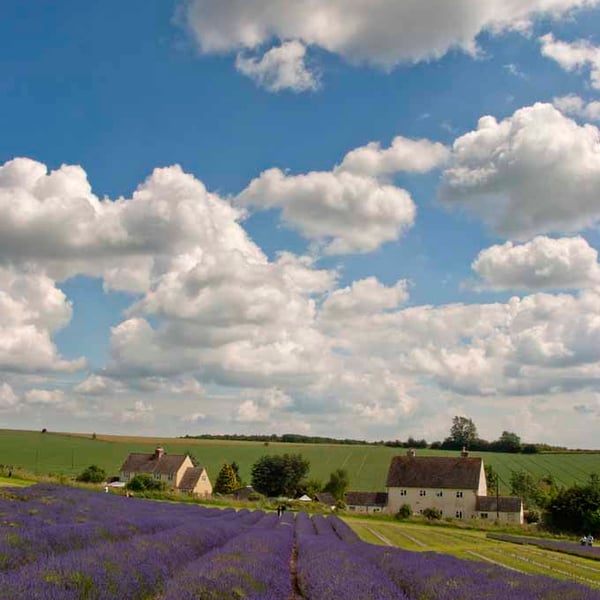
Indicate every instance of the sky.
{"type": "Point", "coordinates": [348, 218]}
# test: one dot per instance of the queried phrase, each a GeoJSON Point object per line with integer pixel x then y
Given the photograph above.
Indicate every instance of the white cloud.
{"type": "Point", "coordinates": [194, 418]}
{"type": "Point", "coordinates": [542, 263]}
{"type": "Point", "coordinates": [576, 106]}
{"type": "Point", "coordinates": [280, 68]}
{"type": "Point", "coordinates": [249, 412]}
{"type": "Point", "coordinates": [381, 32]}
{"type": "Point", "coordinates": [8, 398]}
{"type": "Point", "coordinates": [404, 154]}
{"type": "Point", "coordinates": [31, 310]}
{"type": "Point", "coordinates": [139, 413]}
{"type": "Point", "coordinates": [364, 296]}
{"type": "Point", "coordinates": [573, 56]}
{"type": "Point", "coordinates": [94, 385]}
{"type": "Point", "coordinates": [347, 212]}
{"type": "Point", "coordinates": [534, 172]}
{"type": "Point", "coordinates": [45, 397]}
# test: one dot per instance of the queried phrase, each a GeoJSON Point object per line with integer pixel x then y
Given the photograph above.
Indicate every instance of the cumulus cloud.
{"type": "Point", "coordinates": [576, 106]}
{"type": "Point", "coordinates": [32, 308]}
{"type": "Point", "coordinates": [536, 171]}
{"type": "Point", "coordinates": [45, 397]}
{"type": "Point", "coordinates": [140, 412]}
{"type": "Point", "coordinates": [54, 220]}
{"type": "Point", "coordinates": [8, 398]}
{"type": "Point", "coordinates": [364, 296]}
{"type": "Point", "coordinates": [346, 212]}
{"type": "Point", "coordinates": [280, 68]}
{"type": "Point", "coordinates": [384, 32]}
{"type": "Point", "coordinates": [573, 56]}
{"type": "Point", "coordinates": [541, 263]}
{"type": "Point", "coordinates": [404, 154]}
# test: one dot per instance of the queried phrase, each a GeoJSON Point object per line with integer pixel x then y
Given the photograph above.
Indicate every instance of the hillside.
{"type": "Point", "coordinates": [367, 465]}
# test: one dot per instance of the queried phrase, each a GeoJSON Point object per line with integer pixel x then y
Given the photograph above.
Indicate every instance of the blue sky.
{"type": "Point", "coordinates": [383, 215]}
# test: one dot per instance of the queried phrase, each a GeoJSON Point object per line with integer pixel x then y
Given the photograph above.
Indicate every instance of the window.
{"type": "Point", "coordinates": [403, 492]}
{"type": "Point", "coordinates": [459, 514]}
{"type": "Point", "coordinates": [170, 477]}
{"type": "Point", "coordinates": [351, 508]}
{"type": "Point", "coordinates": [156, 475]}
{"type": "Point", "coordinates": [422, 492]}
{"type": "Point", "coordinates": [203, 478]}
{"type": "Point", "coordinates": [459, 494]}
{"type": "Point", "coordinates": [439, 493]}
{"type": "Point", "coordinates": [484, 515]}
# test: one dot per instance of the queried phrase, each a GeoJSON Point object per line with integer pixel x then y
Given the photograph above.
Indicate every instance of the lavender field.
{"type": "Point", "coordinates": [62, 543]}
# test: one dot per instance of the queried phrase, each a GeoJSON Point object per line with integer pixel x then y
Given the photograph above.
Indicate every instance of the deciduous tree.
{"type": "Point", "coordinates": [279, 475]}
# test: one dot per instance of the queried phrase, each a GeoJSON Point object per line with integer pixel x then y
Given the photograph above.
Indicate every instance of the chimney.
{"type": "Point", "coordinates": [159, 452]}
{"type": "Point", "coordinates": [464, 452]}
{"type": "Point", "coordinates": [411, 452]}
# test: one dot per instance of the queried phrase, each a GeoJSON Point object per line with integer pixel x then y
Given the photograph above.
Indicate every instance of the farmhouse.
{"type": "Point", "coordinates": [366, 502]}
{"type": "Point", "coordinates": [175, 470]}
{"type": "Point", "coordinates": [456, 486]}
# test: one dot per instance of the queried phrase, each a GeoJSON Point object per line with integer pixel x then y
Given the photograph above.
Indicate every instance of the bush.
{"type": "Point", "coordinates": [532, 516]}
{"type": "Point", "coordinates": [93, 474]}
{"type": "Point", "coordinates": [432, 514]}
{"type": "Point", "coordinates": [143, 482]}
{"type": "Point", "coordinates": [404, 512]}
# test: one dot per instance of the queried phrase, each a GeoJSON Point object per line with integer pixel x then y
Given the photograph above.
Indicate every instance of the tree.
{"type": "Point", "coordinates": [194, 460]}
{"type": "Point", "coordinates": [279, 475]}
{"type": "Point", "coordinates": [93, 474]}
{"type": "Point", "coordinates": [526, 486]}
{"type": "Point", "coordinates": [492, 478]}
{"type": "Point", "coordinates": [507, 442]}
{"type": "Point", "coordinates": [236, 470]}
{"type": "Point", "coordinates": [338, 484]}
{"type": "Point", "coordinates": [404, 512]}
{"type": "Point", "coordinates": [577, 508]}
{"type": "Point", "coordinates": [143, 482]}
{"type": "Point", "coordinates": [226, 482]}
{"type": "Point", "coordinates": [463, 431]}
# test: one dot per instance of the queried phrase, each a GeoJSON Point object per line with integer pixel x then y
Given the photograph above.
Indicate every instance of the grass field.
{"type": "Point", "coordinates": [473, 545]}
{"type": "Point", "coordinates": [367, 466]}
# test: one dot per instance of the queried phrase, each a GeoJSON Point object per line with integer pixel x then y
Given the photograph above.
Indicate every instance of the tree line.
{"type": "Point", "coordinates": [463, 433]}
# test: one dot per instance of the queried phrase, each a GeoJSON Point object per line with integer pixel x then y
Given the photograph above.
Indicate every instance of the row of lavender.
{"type": "Point", "coordinates": [78, 545]}
{"type": "Point", "coordinates": [563, 546]}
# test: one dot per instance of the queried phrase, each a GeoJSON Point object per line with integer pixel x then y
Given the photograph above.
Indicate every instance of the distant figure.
{"type": "Point", "coordinates": [10, 473]}
{"type": "Point", "coordinates": [106, 489]}
{"type": "Point", "coordinates": [279, 511]}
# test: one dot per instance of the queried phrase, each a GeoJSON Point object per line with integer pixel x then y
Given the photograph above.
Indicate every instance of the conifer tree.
{"type": "Point", "coordinates": [226, 481]}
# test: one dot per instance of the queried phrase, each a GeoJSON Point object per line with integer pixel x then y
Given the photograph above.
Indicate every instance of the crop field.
{"type": "Point", "coordinates": [474, 545]}
{"type": "Point", "coordinates": [61, 543]}
{"type": "Point", "coordinates": [367, 466]}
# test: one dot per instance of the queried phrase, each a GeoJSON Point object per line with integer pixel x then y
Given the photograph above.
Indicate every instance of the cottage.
{"type": "Point", "coordinates": [175, 470]}
{"type": "Point", "coordinates": [456, 486]}
{"type": "Point", "coordinates": [366, 502]}
{"type": "Point", "coordinates": [326, 498]}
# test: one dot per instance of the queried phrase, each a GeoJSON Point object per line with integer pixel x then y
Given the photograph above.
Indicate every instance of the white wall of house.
{"type": "Point", "coordinates": [360, 508]}
{"type": "Point", "coordinates": [204, 486]}
{"type": "Point", "coordinates": [455, 503]}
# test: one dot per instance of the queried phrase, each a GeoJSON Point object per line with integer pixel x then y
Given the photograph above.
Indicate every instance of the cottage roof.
{"type": "Point", "coordinates": [244, 492]}
{"type": "Point", "coordinates": [366, 498]}
{"type": "Point", "coordinates": [165, 464]}
{"type": "Point", "coordinates": [434, 472]}
{"type": "Point", "coordinates": [190, 478]}
{"type": "Point", "coordinates": [325, 498]}
{"type": "Point", "coordinates": [505, 504]}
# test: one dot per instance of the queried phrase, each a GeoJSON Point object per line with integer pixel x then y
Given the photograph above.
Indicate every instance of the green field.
{"type": "Point", "coordinates": [473, 545]}
{"type": "Point", "coordinates": [367, 466]}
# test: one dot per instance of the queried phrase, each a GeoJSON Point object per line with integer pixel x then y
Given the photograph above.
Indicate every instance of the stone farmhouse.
{"type": "Point", "coordinates": [175, 470]}
{"type": "Point", "coordinates": [454, 485]}
{"type": "Point", "coordinates": [366, 502]}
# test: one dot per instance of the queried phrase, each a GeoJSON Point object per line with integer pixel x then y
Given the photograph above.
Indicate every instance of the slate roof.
{"type": "Point", "coordinates": [366, 498]}
{"type": "Point", "coordinates": [190, 478]}
{"type": "Point", "coordinates": [244, 492]}
{"type": "Point", "coordinates": [505, 503]}
{"type": "Point", "coordinates": [434, 472]}
{"type": "Point", "coordinates": [325, 498]}
{"type": "Point", "coordinates": [166, 464]}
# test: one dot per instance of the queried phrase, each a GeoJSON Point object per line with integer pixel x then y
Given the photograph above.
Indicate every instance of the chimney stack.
{"type": "Point", "coordinates": [159, 452]}
{"type": "Point", "coordinates": [464, 452]}
{"type": "Point", "coordinates": [411, 452]}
